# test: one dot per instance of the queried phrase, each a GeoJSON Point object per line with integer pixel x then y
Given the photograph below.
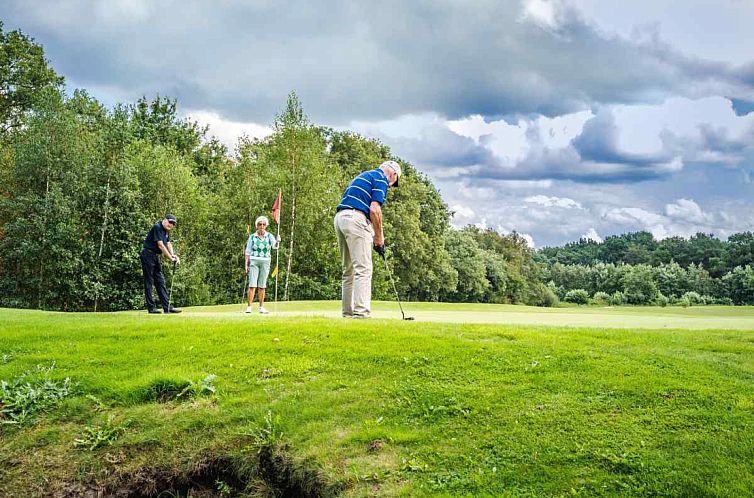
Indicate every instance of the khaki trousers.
{"type": "Point", "coordinates": [355, 238]}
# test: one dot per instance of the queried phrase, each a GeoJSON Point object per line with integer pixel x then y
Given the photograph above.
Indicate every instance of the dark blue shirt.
{"type": "Point", "coordinates": [370, 186]}
{"type": "Point", "coordinates": [156, 234]}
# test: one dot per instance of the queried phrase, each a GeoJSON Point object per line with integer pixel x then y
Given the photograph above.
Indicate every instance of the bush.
{"type": "Point", "coordinates": [601, 298]}
{"type": "Point", "coordinates": [684, 302]}
{"type": "Point", "coordinates": [639, 286]}
{"type": "Point", "coordinates": [577, 296]}
{"type": "Point", "coordinates": [542, 295]}
{"type": "Point", "coordinates": [693, 298]}
{"type": "Point", "coordinates": [617, 299]}
{"type": "Point", "coordinates": [661, 300]}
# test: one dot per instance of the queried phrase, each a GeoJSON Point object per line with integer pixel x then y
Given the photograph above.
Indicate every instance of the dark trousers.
{"type": "Point", "coordinates": [150, 265]}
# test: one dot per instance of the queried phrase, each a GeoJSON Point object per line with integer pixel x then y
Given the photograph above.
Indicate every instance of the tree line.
{"type": "Point", "coordinates": [81, 184]}
{"type": "Point", "coordinates": [634, 268]}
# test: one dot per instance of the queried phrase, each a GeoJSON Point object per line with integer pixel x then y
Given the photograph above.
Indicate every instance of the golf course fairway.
{"type": "Point", "coordinates": [467, 400]}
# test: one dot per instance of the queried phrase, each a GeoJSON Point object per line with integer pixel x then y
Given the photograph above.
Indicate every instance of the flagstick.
{"type": "Point", "coordinates": [277, 253]}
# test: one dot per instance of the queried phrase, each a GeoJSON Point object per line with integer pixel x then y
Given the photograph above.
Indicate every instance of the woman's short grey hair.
{"type": "Point", "coordinates": [260, 219]}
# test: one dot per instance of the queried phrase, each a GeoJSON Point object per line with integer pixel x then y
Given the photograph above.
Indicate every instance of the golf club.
{"type": "Point", "coordinates": [172, 281]}
{"type": "Point", "coordinates": [387, 267]}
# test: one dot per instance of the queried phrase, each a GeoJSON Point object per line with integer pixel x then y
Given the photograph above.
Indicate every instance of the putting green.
{"type": "Point", "coordinates": [700, 317]}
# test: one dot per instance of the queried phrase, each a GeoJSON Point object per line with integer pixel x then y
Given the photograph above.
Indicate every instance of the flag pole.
{"type": "Point", "coordinates": [277, 251]}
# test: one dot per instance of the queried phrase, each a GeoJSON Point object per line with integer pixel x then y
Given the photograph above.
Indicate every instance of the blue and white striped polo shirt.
{"type": "Point", "coordinates": [366, 188]}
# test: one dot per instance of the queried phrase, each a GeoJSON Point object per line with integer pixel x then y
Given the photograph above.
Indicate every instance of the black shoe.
{"type": "Point", "coordinates": [173, 310]}
{"type": "Point", "coordinates": [155, 312]}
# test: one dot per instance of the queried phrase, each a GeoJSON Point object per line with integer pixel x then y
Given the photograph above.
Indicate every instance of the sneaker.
{"type": "Point", "coordinates": [248, 309]}
{"type": "Point", "coordinates": [155, 312]}
{"type": "Point", "coordinates": [173, 310]}
{"type": "Point", "coordinates": [262, 310]}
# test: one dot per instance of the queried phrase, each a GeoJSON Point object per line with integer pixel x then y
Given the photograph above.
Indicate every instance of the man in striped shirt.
{"type": "Point", "coordinates": [358, 225]}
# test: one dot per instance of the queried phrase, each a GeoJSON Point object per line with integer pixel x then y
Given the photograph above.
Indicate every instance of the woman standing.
{"type": "Point", "coordinates": [258, 256]}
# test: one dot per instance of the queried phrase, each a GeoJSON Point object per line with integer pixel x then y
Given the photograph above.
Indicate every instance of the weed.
{"type": "Point", "coordinates": [223, 488]}
{"type": "Point", "coordinates": [166, 390]}
{"type": "Point", "coordinates": [204, 387]}
{"type": "Point", "coordinates": [267, 435]}
{"type": "Point", "coordinates": [25, 395]}
{"type": "Point", "coordinates": [98, 436]}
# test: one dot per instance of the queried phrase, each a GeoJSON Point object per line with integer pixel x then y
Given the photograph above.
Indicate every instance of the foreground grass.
{"type": "Point", "coordinates": [385, 407]}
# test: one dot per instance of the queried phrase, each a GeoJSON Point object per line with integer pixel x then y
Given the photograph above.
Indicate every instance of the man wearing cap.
{"type": "Point", "coordinates": [358, 225]}
{"type": "Point", "coordinates": [156, 243]}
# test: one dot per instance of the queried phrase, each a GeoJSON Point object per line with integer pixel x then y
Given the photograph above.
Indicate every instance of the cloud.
{"type": "Point", "coordinates": [686, 210]}
{"type": "Point", "coordinates": [228, 132]}
{"type": "Point", "coordinates": [364, 60]}
{"type": "Point", "coordinates": [592, 235]}
{"type": "Point", "coordinates": [561, 202]}
{"type": "Point", "coordinates": [683, 218]}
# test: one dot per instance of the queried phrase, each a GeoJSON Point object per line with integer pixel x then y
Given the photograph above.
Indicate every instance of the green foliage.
{"type": "Point", "coordinates": [543, 295]}
{"type": "Point", "coordinates": [739, 284]}
{"type": "Point", "coordinates": [24, 75]}
{"type": "Point", "coordinates": [638, 285]}
{"type": "Point", "coordinates": [267, 435]}
{"type": "Point", "coordinates": [466, 258]}
{"type": "Point", "coordinates": [577, 296]}
{"type": "Point", "coordinates": [601, 297]}
{"type": "Point", "coordinates": [166, 390]}
{"type": "Point", "coordinates": [29, 393]}
{"type": "Point", "coordinates": [661, 300]}
{"type": "Point", "coordinates": [692, 298]}
{"type": "Point", "coordinates": [618, 299]}
{"type": "Point", "coordinates": [97, 436]}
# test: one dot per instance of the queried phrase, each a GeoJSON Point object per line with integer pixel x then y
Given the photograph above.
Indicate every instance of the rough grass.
{"type": "Point", "coordinates": [321, 406]}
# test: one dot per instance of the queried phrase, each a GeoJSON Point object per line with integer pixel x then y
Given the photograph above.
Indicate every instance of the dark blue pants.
{"type": "Point", "coordinates": [150, 265]}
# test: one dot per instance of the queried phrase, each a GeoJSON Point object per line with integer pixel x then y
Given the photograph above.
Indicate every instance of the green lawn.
{"type": "Point", "coordinates": [465, 401]}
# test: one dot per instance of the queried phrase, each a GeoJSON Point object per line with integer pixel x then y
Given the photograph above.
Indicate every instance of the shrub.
{"type": "Point", "coordinates": [577, 296]}
{"type": "Point", "coordinates": [601, 298]}
{"type": "Point", "coordinates": [661, 300]}
{"type": "Point", "coordinates": [617, 299]}
{"type": "Point", "coordinates": [549, 299]}
{"type": "Point", "coordinates": [541, 295]}
{"type": "Point", "coordinates": [693, 298]}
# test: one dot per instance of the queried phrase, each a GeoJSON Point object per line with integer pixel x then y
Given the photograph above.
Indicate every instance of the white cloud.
{"type": "Point", "coordinates": [507, 141]}
{"type": "Point", "coordinates": [529, 240]}
{"type": "Point", "coordinates": [561, 202]}
{"type": "Point", "coordinates": [228, 132]}
{"type": "Point", "coordinates": [687, 210]}
{"type": "Point", "coordinates": [639, 218]}
{"type": "Point", "coordinates": [592, 235]}
{"type": "Point", "coordinates": [462, 215]}
{"type": "Point", "coordinates": [544, 13]}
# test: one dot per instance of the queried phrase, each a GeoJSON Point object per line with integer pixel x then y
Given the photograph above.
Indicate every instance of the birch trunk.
{"type": "Point", "coordinates": [102, 235]}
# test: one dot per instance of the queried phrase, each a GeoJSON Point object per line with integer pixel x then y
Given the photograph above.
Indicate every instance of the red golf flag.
{"type": "Point", "coordinates": [276, 207]}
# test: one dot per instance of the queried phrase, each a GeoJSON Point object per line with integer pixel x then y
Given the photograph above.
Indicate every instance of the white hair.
{"type": "Point", "coordinates": [261, 218]}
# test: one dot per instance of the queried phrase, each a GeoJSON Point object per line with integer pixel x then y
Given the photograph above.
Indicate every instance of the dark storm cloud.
{"type": "Point", "coordinates": [357, 60]}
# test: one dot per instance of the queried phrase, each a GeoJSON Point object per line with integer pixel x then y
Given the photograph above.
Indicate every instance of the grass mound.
{"type": "Point", "coordinates": [309, 406]}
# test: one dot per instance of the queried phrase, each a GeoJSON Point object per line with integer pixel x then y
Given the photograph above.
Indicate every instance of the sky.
{"type": "Point", "coordinates": [557, 119]}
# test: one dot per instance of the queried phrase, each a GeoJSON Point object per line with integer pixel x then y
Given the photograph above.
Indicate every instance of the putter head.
{"type": "Point", "coordinates": [409, 318]}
